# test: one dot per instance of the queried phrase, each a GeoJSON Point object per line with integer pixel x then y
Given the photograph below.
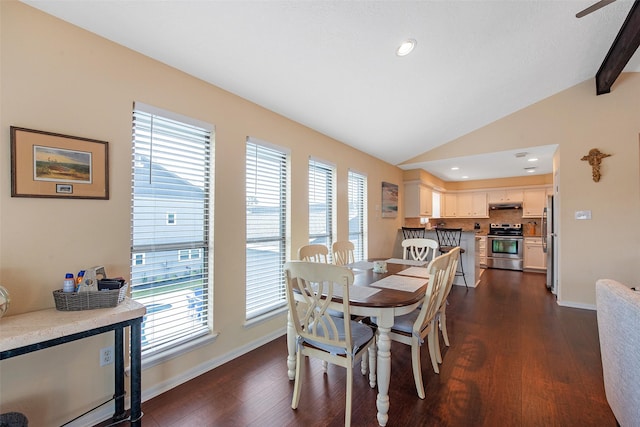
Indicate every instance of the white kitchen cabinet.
{"type": "Point", "coordinates": [466, 205]}
{"type": "Point", "coordinates": [472, 205]}
{"type": "Point", "coordinates": [505, 196]}
{"type": "Point", "coordinates": [482, 251]}
{"type": "Point", "coordinates": [534, 257]}
{"type": "Point", "coordinates": [418, 200]}
{"type": "Point", "coordinates": [534, 202]}
{"type": "Point", "coordinates": [480, 208]}
{"type": "Point", "coordinates": [450, 205]}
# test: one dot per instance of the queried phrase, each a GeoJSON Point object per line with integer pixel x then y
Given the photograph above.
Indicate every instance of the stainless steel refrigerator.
{"type": "Point", "coordinates": [548, 242]}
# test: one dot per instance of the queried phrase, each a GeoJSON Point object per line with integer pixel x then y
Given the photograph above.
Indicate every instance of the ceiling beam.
{"type": "Point", "coordinates": [621, 51]}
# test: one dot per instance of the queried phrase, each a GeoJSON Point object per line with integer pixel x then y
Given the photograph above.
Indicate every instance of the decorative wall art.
{"type": "Point", "coordinates": [389, 200]}
{"type": "Point", "coordinates": [594, 158]}
{"type": "Point", "coordinates": [45, 164]}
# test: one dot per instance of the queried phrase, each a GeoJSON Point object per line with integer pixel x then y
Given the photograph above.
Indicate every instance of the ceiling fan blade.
{"type": "Point", "coordinates": [593, 8]}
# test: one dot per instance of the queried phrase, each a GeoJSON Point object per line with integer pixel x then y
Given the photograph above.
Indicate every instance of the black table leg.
{"type": "Point", "coordinates": [119, 393]}
{"type": "Point", "coordinates": [136, 374]}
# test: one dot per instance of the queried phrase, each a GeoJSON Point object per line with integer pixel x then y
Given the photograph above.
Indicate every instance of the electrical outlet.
{"type": "Point", "coordinates": [106, 356]}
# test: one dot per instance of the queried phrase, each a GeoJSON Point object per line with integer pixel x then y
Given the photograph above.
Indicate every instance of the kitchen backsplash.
{"type": "Point", "coordinates": [510, 216]}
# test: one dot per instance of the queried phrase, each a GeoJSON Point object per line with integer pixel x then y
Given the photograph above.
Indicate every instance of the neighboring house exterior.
{"type": "Point", "coordinates": [170, 227]}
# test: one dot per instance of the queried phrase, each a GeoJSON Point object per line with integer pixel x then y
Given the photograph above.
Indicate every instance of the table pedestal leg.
{"type": "Point", "coordinates": [291, 348]}
{"type": "Point", "coordinates": [384, 374]}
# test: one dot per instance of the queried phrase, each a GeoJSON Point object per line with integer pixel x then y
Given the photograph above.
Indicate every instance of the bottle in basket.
{"type": "Point", "coordinates": [69, 285]}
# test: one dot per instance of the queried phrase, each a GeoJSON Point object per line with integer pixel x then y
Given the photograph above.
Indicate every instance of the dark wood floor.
{"type": "Point", "coordinates": [516, 359]}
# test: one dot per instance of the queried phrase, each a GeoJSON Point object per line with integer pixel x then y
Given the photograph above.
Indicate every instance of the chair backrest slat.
{"type": "Point", "coordinates": [414, 232]}
{"type": "Point", "coordinates": [419, 249]}
{"type": "Point", "coordinates": [439, 269]}
{"type": "Point", "coordinates": [317, 284]}
{"type": "Point", "coordinates": [343, 252]}
{"type": "Point", "coordinates": [449, 237]}
{"type": "Point", "coordinates": [314, 253]}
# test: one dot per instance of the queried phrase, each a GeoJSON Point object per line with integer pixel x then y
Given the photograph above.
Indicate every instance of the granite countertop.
{"type": "Point", "coordinates": [37, 326]}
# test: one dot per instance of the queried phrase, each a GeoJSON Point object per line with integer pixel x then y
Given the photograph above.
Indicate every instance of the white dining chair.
{"type": "Point", "coordinates": [414, 327]}
{"type": "Point", "coordinates": [314, 253]}
{"type": "Point", "coordinates": [343, 252]}
{"type": "Point", "coordinates": [440, 320]}
{"type": "Point", "coordinates": [419, 249]}
{"type": "Point", "coordinates": [337, 340]}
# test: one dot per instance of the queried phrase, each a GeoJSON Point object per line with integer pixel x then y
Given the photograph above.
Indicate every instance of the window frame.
{"type": "Point", "coordinates": [327, 174]}
{"type": "Point", "coordinates": [358, 181]}
{"type": "Point", "coordinates": [265, 294]}
{"type": "Point", "coordinates": [164, 135]}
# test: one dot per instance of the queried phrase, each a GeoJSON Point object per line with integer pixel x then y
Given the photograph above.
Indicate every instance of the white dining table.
{"type": "Point", "coordinates": [384, 305]}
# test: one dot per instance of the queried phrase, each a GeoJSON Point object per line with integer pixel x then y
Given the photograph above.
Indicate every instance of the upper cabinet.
{"type": "Point", "coordinates": [465, 205]}
{"type": "Point", "coordinates": [449, 207]}
{"type": "Point", "coordinates": [418, 200]}
{"type": "Point", "coordinates": [472, 205]}
{"type": "Point", "coordinates": [505, 196]}
{"type": "Point", "coordinates": [534, 202]}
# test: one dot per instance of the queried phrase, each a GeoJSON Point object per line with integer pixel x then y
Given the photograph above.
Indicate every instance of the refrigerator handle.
{"type": "Point", "coordinates": [544, 230]}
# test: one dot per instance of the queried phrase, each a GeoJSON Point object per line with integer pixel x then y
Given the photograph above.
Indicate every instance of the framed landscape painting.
{"type": "Point", "coordinates": [45, 164]}
{"type": "Point", "coordinates": [389, 200]}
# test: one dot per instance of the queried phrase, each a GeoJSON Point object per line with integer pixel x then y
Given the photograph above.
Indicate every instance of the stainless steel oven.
{"type": "Point", "coordinates": [505, 246]}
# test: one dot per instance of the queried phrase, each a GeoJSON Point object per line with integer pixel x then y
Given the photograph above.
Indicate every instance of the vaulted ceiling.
{"type": "Point", "coordinates": [332, 66]}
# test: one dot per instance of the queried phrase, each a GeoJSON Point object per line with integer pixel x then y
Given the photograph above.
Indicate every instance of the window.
{"type": "Point", "coordinates": [170, 269]}
{"type": "Point", "coordinates": [188, 254]}
{"type": "Point", "coordinates": [266, 203]}
{"type": "Point", "coordinates": [358, 214]}
{"type": "Point", "coordinates": [138, 259]}
{"type": "Point", "coordinates": [320, 203]}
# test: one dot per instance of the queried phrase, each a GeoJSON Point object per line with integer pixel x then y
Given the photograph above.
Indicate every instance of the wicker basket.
{"type": "Point", "coordinates": [76, 301]}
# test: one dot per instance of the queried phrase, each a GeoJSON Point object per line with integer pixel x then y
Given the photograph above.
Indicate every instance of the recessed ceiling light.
{"type": "Point", "coordinates": [531, 169]}
{"type": "Point", "coordinates": [406, 47]}
{"type": "Point", "coordinates": [465, 177]}
{"type": "Point", "coordinates": [521, 154]}
{"type": "Point", "coordinates": [455, 168]}
{"type": "Point", "coordinates": [533, 159]}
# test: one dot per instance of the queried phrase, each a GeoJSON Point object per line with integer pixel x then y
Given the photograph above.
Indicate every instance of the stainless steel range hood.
{"type": "Point", "coordinates": [508, 205]}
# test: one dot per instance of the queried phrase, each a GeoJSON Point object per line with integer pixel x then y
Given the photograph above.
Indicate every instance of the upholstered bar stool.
{"type": "Point", "coordinates": [449, 238]}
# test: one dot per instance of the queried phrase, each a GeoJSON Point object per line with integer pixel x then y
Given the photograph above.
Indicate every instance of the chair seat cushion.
{"type": "Point", "coordinates": [360, 334]}
{"type": "Point", "coordinates": [445, 249]}
{"type": "Point", "coordinates": [403, 323]}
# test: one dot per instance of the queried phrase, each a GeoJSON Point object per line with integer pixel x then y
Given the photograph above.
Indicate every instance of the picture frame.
{"type": "Point", "coordinates": [389, 200]}
{"type": "Point", "coordinates": [46, 164]}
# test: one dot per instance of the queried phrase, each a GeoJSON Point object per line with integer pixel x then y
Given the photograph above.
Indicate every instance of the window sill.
{"type": "Point", "coordinates": [265, 317]}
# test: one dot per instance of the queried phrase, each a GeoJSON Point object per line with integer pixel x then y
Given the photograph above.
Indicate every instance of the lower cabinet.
{"type": "Point", "coordinates": [534, 257]}
{"type": "Point", "coordinates": [482, 251]}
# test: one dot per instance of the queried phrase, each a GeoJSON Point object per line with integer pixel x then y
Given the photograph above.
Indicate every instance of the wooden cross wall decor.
{"type": "Point", "coordinates": [595, 158]}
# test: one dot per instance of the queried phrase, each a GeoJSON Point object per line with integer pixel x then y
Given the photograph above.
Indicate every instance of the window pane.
{"type": "Point", "coordinates": [266, 177]}
{"type": "Point", "coordinates": [170, 222]}
{"type": "Point", "coordinates": [320, 203]}
{"type": "Point", "coordinates": [357, 214]}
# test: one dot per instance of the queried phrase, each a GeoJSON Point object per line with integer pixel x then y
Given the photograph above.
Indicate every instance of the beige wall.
{"type": "Point", "coordinates": [608, 246]}
{"type": "Point", "coordinates": [59, 78]}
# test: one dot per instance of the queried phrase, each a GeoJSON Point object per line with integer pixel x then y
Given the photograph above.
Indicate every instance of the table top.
{"type": "Point", "coordinates": [42, 325]}
{"type": "Point", "coordinates": [386, 297]}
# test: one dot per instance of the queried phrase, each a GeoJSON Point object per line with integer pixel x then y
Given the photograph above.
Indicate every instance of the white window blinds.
{"type": "Point", "coordinates": [358, 214]}
{"type": "Point", "coordinates": [170, 227]}
{"type": "Point", "coordinates": [321, 190]}
{"type": "Point", "coordinates": [266, 203]}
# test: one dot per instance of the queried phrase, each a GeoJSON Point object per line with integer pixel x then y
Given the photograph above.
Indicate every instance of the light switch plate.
{"type": "Point", "coordinates": [583, 214]}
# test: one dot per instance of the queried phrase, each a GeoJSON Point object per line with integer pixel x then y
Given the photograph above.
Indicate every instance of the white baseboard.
{"type": "Point", "coordinates": [106, 412]}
